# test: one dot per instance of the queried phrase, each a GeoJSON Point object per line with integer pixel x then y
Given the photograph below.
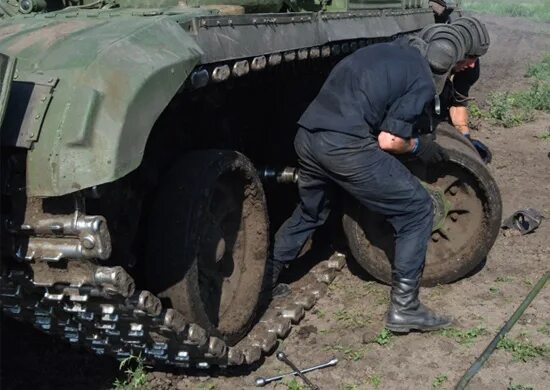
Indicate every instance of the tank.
{"type": "Point", "coordinates": [147, 159]}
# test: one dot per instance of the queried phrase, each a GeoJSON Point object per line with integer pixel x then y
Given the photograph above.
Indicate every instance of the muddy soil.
{"type": "Point", "coordinates": [355, 304]}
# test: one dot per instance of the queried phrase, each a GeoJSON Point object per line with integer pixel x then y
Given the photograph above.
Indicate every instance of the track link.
{"type": "Point", "coordinates": [110, 317]}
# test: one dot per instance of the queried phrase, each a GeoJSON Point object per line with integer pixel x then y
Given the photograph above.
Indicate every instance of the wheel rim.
{"type": "Point", "coordinates": [464, 223]}
{"type": "Point", "coordinates": [459, 207]}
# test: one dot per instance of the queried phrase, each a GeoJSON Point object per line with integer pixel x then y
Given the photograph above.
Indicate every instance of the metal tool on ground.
{"type": "Point", "coordinates": [282, 357]}
{"type": "Point", "coordinates": [474, 368]}
{"type": "Point", "coordinates": [260, 382]}
{"type": "Point", "coordinates": [524, 220]}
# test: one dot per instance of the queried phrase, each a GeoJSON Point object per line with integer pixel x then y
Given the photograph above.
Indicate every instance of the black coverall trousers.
{"type": "Point", "coordinates": [375, 178]}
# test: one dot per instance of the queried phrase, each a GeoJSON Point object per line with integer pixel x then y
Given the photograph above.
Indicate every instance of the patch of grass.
{"type": "Point", "coordinates": [534, 9]}
{"type": "Point", "coordinates": [351, 319]}
{"type": "Point", "coordinates": [520, 387]}
{"type": "Point", "coordinates": [439, 380]}
{"type": "Point", "coordinates": [374, 379]}
{"type": "Point", "coordinates": [541, 70]}
{"type": "Point", "coordinates": [207, 386]}
{"type": "Point", "coordinates": [523, 350]}
{"type": "Point", "coordinates": [474, 110]}
{"type": "Point", "coordinates": [504, 279]}
{"type": "Point", "coordinates": [511, 109]}
{"type": "Point", "coordinates": [320, 313]}
{"type": "Point", "coordinates": [494, 290]}
{"type": "Point", "coordinates": [350, 387]}
{"type": "Point", "coordinates": [544, 136]}
{"type": "Point", "coordinates": [384, 337]}
{"type": "Point", "coordinates": [544, 330]}
{"type": "Point", "coordinates": [504, 110]}
{"type": "Point", "coordinates": [465, 336]}
{"type": "Point", "coordinates": [136, 375]}
{"type": "Point", "coordinates": [349, 352]}
{"type": "Point", "coordinates": [293, 384]}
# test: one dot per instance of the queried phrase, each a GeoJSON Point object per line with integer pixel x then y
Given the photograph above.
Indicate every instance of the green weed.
{"type": "Point", "coordinates": [439, 380]}
{"type": "Point", "coordinates": [523, 350]}
{"type": "Point", "coordinates": [545, 330]}
{"type": "Point", "coordinates": [544, 136]}
{"type": "Point", "coordinates": [520, 387]}
{"type": "Point", "coordinates": [504, 279]}
{"type": "Point", "coordinates": [320, 313]}
{"type": "Point", "coordinates": [349, 352]}
{"type": "Point", "coordinates": [464, 337]}
{"type": "Point", "coordinates": [374, 379]}
{"type": "Point", "coordinates": [207, 386]}
{"type": "Point", "coordinates": [540, 70]}
{"type": "Point", "coordinates": [534, 9]}
{"type": "Point", "coordinates": [504, 110]}
{"type": "Point", "coordinates": [474, 110]}
{"type": "Point", "coordinates": [511, 109]}
{"type": "Point", "coordinates": [494, 290]}
{"type": "Point", "coordinates": [351, 319]}
{"type": "Point", "coordinates": [293, 384]}
{"type": "Point", "coordinates": [350, 387]}
{"type": "Point", "coordinates": [384, 337]}
{"type": "Point", "coordinates": [136, 375]}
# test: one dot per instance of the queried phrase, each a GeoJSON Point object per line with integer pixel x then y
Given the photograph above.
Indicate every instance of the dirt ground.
{"type": "Point", "coordinates": [355, 305]}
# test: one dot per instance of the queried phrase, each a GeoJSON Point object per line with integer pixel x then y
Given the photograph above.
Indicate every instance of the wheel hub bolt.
{"type": "Point", "coordinates": [454, 217]}
{"type": "Point", "coordinates": [436, 236]}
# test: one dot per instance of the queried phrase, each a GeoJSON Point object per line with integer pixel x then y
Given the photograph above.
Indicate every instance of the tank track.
{"type": "Point", "coordinates": [111, 317]}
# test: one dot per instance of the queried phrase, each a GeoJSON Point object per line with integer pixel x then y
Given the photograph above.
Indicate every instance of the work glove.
{"type": "Point", "coordinates": [428, 151]}
{"type": "Point", "coordinates": [482, 149]}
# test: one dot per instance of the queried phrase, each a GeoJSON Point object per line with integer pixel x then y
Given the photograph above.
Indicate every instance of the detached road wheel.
{"type": "Point", "coordinates": [468, 212]}
{"type": "Point", "coordinates": [208, 241]}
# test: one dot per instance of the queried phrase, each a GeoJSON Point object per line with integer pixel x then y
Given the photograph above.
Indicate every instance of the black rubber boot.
{"type": "Point", "coordinates": [271, 288]}
{"type": "Point", "coordinates": [406, 313]}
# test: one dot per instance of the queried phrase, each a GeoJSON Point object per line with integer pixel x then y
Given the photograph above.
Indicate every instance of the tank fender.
{"type": "Point", "coordinates": [114, 82]}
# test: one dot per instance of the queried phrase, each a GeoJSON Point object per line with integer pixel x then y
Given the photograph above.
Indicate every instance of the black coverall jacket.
{"type": "Point", "coordinates": [381, 87]}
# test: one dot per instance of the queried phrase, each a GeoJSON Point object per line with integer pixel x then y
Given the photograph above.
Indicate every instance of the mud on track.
{"type": "Point", "coordinates": [355, 305]}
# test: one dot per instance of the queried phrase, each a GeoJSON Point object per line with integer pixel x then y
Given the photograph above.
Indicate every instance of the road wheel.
{"type": "Point", "coordinates": [468, 212]}
{"type": "Point", "coordinates": [208, 241]}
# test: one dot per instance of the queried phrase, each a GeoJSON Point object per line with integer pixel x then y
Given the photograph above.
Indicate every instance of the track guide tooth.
{"type": "Point", "coordinates": [174, 321]}
{"type": "Point", "coordinates": [217, 347]}
{"type": "Point", "coordinates": [235, 356]}
{"type": "Point", "coordinates": [252, 353]}
{"type": "Point", "coordinates": [337, 261]}
{"type": "Point", "coordinates": [275, 323]}
{"type": "Point", "coordinates": [293, 312]}
{"type": "Point", "coordinates": [149, 303]}
{"type": "Point", "coordinates": [325, 275]}
{"type": "Point", "coordinates": [112, 318]}
{"type": "Point", "coordinates": [196, 335]}
{"type": "Point", "coordinates": [318, 289]}
{"type": "Point", "coordinates": [263, 338]}
{"type": "Point", "coordinates": [306, 300]}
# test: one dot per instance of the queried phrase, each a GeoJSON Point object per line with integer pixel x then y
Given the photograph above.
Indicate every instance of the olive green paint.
{"type": "Point", "coordinates": [116, 75]}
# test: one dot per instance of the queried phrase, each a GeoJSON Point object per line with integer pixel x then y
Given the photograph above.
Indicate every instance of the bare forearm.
{"type": "Point", "coordinates": [394, 144]}
{"type": "Point", "coordinates": [459, 118]}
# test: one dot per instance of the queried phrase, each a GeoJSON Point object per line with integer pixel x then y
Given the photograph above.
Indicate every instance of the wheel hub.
{"type": "Point", "coordinates": [442, 206]}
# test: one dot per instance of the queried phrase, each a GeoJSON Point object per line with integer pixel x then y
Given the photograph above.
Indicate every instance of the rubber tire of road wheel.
{"type": "Point", "coordinates": [177, 218]}
{"type": "Point", "coordinates": [441, 270]}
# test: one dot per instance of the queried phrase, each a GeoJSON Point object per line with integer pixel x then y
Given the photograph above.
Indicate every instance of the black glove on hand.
{"type": "Point", "coordinates": [482, 149]}
{"type": "Point", "coordinates": [430, 152]}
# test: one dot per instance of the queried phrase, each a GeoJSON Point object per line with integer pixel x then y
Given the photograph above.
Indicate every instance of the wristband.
{"type": "Point", "coordinates": [415, 148]}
